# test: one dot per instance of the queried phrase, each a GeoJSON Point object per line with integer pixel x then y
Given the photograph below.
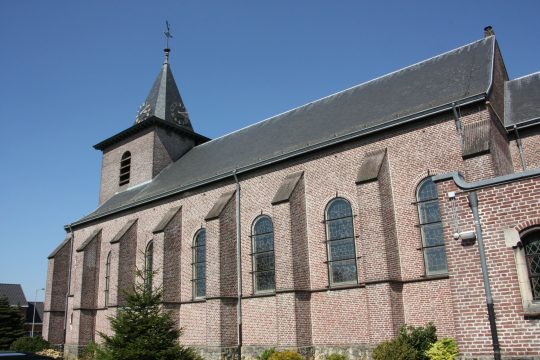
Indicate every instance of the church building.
{"type": "Point", "coordinates": [408, 199]}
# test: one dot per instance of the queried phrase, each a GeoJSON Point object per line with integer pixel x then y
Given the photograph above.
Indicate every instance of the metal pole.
{"type": "Point", "coordinates": [34, 314]}
{"type": "Point", "coordinates": [473, 203]}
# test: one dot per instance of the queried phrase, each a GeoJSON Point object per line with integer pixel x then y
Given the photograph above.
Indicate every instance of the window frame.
{"type": "Point", "coordinates": [124, 176]}
{"type": "Point", "coordinates": [423, 247]}
{"type": "Point", "coordinates": [254, 272]}
{"type": "Point", "coordinates": [524, 243]}
{"type": "Point", "coordinates": [328, 241]}
{"type": "Point", "coordinates": [107, 279]}
{"type": "Point", "coordinates": [515, 240]}
{"type": "Point", "coordinates": [194, 277]}
{"type": "Point", "coordinates": [148, 260]}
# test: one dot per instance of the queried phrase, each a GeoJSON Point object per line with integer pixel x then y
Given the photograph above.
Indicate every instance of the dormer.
{"type": "Point", "coordinates": [161, 134]}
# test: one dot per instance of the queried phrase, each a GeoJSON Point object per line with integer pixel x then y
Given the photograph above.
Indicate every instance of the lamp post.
{"type": "Point", "coordinates": [34, 314]}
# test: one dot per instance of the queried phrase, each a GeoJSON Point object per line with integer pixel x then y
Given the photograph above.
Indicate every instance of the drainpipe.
{"type": "Point", "coordinates": [69, 282]}
{"type": "Point", "coordinates": [520, 148]}
{"type": "Point", "coordinates": [457, 119]}
{"type": "Point", "coordinates": [473, 203]}
{"type": "Point", "coordinates": [238, 267]}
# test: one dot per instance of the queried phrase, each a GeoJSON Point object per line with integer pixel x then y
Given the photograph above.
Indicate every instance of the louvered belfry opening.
{"type": "Point", "coordinates": [125, 168]}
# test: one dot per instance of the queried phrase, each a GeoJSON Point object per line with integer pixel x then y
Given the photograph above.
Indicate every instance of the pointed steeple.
{"type": "Point", "coordinates": [164, 100]}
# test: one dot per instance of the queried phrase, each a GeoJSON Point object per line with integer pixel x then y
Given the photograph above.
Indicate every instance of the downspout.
{"type": "Point", "coordinates": [520, 148]}
{"type": "Point", "coordinates": [238, 267]}
{"type": "Point", "coordinates": [473, 203]}
{"type": "Point", "coordinates": [69, 282]}
{"type": "Point", "coordinates": [457, 120]}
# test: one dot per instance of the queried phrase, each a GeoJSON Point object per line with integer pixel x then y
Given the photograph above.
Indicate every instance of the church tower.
{"type": "Point", "coordinates": [161, 134]}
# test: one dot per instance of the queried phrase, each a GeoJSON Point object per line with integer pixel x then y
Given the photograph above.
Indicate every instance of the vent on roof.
{"type": "Point", "coordinates": [125, 168]}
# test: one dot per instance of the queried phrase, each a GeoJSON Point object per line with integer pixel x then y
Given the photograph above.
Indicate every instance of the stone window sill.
{"type": "Point", "coordinates": [532, 310]}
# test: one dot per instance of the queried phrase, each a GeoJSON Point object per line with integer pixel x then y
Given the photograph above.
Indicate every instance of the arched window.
{"type": "Point", "coordinates": [340, 242]}
{"type": "Point", "coordinates": [264, 277]}
{"type": "Point", "coordinates": [431, 228]}
{"type": "Point", "coordinates": [125, 168]}
{"type": "Point", "coordinates": [148, 265]}
{"type": "Point", "coordinates": [531, 245]}
{"type": "Point", "coordinates": [107, 278]}
{"type": "Point", "coordinates": [199, 264]}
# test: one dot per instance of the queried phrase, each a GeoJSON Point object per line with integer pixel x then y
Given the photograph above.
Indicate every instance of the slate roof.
{"type": "Point", "coordinates": [164, 100]}
{"type": "Point", "coordinates": [460, 76]}
{"type": "Point", "coordinates": [39, 312]}
{"type": "Point", "coordinates": [14, 294]}
{"type": "Point", "coordinates": [522, 101]}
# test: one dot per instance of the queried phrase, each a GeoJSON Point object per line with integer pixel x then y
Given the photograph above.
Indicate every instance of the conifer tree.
{"type": "Point", "coordinates": [11, 323]}
{"type": "Point", "coordinates": [142, 329]}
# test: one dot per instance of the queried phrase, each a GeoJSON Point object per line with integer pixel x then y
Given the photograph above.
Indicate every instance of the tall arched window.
{"type": "Point", "coordinates": [199, 264]}
{"type": "Point", "coordinates": [125, 168]}
{"type": "Point", "coordinates": [148, 265]}
{"type": "Point", "coordinates": [264, 278]}
{"type": "Point", "coordinates": [431, 228]}
{"type": "Point", "coordinates": [340, 242]}
{"type": "Point", "coordinates": [531, 245]}
{"type": "Point", "coordinates": [107, 278]}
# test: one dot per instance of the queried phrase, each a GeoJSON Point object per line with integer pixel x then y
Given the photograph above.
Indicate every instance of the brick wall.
{"type": "Point", "coordinates": [141, 147]}
{"type": "Point", "coordinates": [392, 288]}
{"type": "Point", "coordinates": [168, 147]}
{"type": "Point", "coordinates": [55, 295]}
{"type": "Point", "coordinates": [501, 207]}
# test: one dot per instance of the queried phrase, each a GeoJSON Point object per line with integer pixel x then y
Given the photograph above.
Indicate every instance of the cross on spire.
{"type": "Point", "coordinates": [167, 33]}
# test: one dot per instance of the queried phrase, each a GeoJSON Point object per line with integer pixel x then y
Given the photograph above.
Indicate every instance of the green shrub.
{"type": "Point", "coordinates": [89, 352]}
{"type": "Point", "coordinates": [286, 355]}
{"type": "Point", "coordinates": [265, 355]}
{"type": "Point", "coordinates": [419, 338]}
{"type": "Point", "coordinates": [394, 350]}
{"type": "Point", "coordinates": [444, 349]}
{"type": "Point", "coordinates": [51, 353]}
{"type": "Point", "coordinates": [142, 329]}
{"type": "Point", "coordinates": [336, 356]}
{"type": "Point", "coordinates": [31, 345]}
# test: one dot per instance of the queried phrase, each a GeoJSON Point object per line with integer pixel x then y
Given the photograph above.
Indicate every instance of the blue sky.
{"type": "Point", "coordinates": [73, 73]}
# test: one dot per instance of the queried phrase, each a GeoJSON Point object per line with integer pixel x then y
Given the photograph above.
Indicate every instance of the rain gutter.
{"type": "Point", "coordinates": [238, 267]}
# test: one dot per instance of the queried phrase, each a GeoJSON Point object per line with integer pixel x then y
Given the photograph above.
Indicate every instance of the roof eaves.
{"type": "Point", "coordinates": [59, 247]}
{"type": "Point", "coordinates": [145, 124]}
{"type": "Point", "coordinates": [166, 219]}
{"type": "Point", "coordinates": [523, 124]}
{"type": "Point", "coordinates": [89, 239]}
{"type": "Point", "coordinates": [282, 157]}
{"type": "Point", "coordinates": [123, 231]}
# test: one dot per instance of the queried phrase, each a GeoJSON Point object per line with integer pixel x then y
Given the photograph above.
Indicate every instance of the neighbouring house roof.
{"type": "Point", "coordinates": [30, 312]}
{"type": "Point", "coordinates": [14, 293]}
{"type": "Point", "coordinates": [460, 76]}
{"type": "Point", "coordinates": [522, 101]}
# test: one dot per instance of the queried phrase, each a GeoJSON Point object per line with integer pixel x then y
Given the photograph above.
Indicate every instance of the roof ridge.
{"type": "Point", "coordinates": [348, 89]}
{"type": "Point", "coordinates": [524, 76]}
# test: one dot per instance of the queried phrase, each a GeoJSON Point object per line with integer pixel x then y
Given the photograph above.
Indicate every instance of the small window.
{"type": "Point", "coordinates": [107, 278]}
{"type": "Point", "coordinates": [431, 228]}
{"type": "Point", "coordinates": [263, 255]}
{"type": "Point", "coordinates": [125, 168]}
{"type": "Point", "coordinates": [531, 245]}
{"type": "Point", "coordinates": [199, 264]}
{"type": "Point", "coordinates": [148, 265]}
{"type": "Point", "coordinates": [340, 243]}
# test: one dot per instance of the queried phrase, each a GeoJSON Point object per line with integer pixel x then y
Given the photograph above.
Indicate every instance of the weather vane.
{"type": "Point", "coordinates": [168, 33]}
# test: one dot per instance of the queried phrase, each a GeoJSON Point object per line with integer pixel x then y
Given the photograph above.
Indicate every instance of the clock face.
{"type": "Point", "coordinates": [143, 113]}
{"type": "Point", "coordinates": [178, 114]}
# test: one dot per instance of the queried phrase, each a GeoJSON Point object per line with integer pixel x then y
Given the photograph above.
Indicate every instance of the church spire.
{"type": "Point", "coordinates": [164, 100]}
